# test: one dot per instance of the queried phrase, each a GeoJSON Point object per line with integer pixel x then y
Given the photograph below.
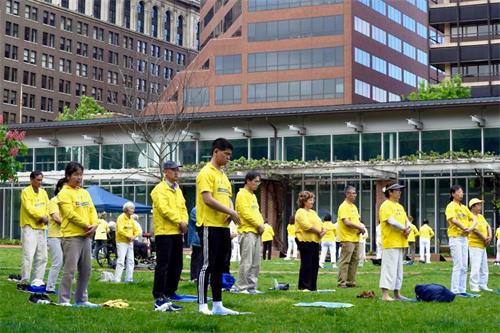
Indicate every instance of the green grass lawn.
{"type": "Point", "coordinates": [273, 311]}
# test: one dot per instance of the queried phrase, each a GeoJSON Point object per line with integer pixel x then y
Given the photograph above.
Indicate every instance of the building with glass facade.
{"type": "Point", "coordinates": [365, 145]}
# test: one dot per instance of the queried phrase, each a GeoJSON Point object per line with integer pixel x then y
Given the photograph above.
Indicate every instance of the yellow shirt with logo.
{"type": "Point", "coordinates": [462, 214]}
{"type": "Point", "coordinates": [77, 211]}
{"type": "Point", "coordinates": [426, 232]}
{"type": "Point", "coordinates": [217, 184]}
{"type": "Point", "coordinates": [349, 211]}
{"type": "Point", "coordinates": [248, 209]}
{"type": "Point", "coordinates": [291, 230]}
{"type": "Point", "coordinates": [413, 233]}
{"type": "Point", "coordinates": [101, 233]}
{"type": "Point", "coordinates": [330, 232]}
{"type": "Point", "coordinates": [34, 206]}
{"type": "Point", "coordinates": [169, 209]}
{"type": "Point", "coordinates": [392, 238]}
{"type": "Point", "coordinates": [268, 233]}
{"type": "Point", "coordinates": [304, 221]}
{"type": "Point", "coordinates": [125, 227]}
{"type": "Point", "coordinates": [54, 227]}
{"type": "Point", "coordinates": [482, 226]}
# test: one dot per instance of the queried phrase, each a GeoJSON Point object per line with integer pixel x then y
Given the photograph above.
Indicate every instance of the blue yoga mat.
{"type": "Point", "coordinates": [329, 305]}
{"type": "Point", "coordinates": [187, 299]}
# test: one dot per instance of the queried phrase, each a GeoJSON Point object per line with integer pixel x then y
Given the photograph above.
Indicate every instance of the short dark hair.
{"type": "Point", "coordinates": [349, 188]}
{"type": "Point", "coordinates": [72, 167]}
{"type": "Point", "coordinates": [454, 189]}
{"type": "Point", "coordinates": [328, 217]}
{"type": "Point", "coordinates": [251, 175]}
{"type": "Point", "coordinates": [35, 174]}
{"type": "Point", "coordinates": [221, 144]}
{"type": "Point", "coordinates": [425, 221]}
{"type": "Point", "coordinates": [59, 185]}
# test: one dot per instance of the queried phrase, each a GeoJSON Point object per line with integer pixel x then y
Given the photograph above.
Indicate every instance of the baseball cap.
{"type": "Point", "coordinates": [393, 187]}
{"type": "Point", "coordinates": [474, 201]}
{"type": "Point", "coordinates": [171, 165]}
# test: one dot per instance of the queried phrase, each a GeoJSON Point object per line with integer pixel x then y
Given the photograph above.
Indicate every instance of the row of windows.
{"type": "Point", "coordinates": [258, 5]}
{"type": "Point", "coordinates": [380, 5]}
{"type": "Point", "coordinates": [296, 28]}
{"type": "Point", "coordinates": [375, 93]}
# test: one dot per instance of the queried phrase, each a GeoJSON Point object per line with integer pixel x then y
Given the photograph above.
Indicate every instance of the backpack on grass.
{"type": "Point", "coordinates": [433, 293]}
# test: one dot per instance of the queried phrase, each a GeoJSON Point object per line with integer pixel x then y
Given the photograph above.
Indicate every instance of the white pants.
{"type": "Point", "coordinates": [379, 250]}
{"type": "Point", "coordinates": [56, 253]}
{"type": "Point", "coordinates": [325, 246]}
{"type": "Point", "coordinates": [498, 250]}
{"type": "Point", "coordinates": [235, 249]}
{"type": "Point", "coordinates": [458, 249]}
{"type": "Point", "coordinates": [425, 250]}
{"type": "Point", "coordinates": [34, 249]}
{"type": "Point", "coordinates": [124, 250]}
{"type": "Point", "coordinates": [362, 252]}
{"type": "Point", "coordinates": [478, 268]}
{"type": "Point", "coordinates": [292, 248]}
{"type": "Point", "coordinates": [391, 274]}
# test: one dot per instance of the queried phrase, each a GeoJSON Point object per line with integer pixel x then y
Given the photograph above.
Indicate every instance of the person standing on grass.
{"type": "Point", "coordinates": [291, 252]}
{"type": "Point", "coordinates": [459, 227]}
{"type": "Point", "coordinates": [395, 228]}
{"type": "Point", "coordinates": [170, 217]}
{"type": "Point", "coordinates": [250, 229]}
{"type": "Point", "coordinates": [214, 211]}
{"type": "Point", "coordinates": [54, 240]}
{"type": "Point", "coordinates": [412, 238]}
{"type": "Point", "coordinates": [426, 233]}
{"type": "Point", "coordinates": [378, 241]}
{"type": "Point", "coordinates": [79, 222]}
{"type": "Point", "coordinates": [497, 235]}
{"type": "Point", "coordinates": [479, 238]}
{"type": "Point", "coordinates": [101, 233]}
{"type": "Point", "coordinates": [235, 243]}
{"type": "Point", "coordinates": [194, 242]}
{"type": "Point", "coordinates": [328, 242]}
{"type": "Point", "coordinates": [34, 217]}
{"type": "Point", "coordinates": [362, 249]}
{"type": "Point", "coordinates": [267, 241]}
{"type": "Point", "coordinates": [309, 231]}
{"type": "Point", "coordinates": [126, 233]}
{"type": "Point", "coordinates": [350, 227]}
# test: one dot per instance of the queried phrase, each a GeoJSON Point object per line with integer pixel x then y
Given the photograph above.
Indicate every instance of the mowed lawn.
{"type": "Point", "coordinates": [272, 311]}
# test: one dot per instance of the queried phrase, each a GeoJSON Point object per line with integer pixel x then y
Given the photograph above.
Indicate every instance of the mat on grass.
{"type": "Point", "coordinates": [186, 298]}
{"type": "Point", "coordinates": [329, 305]}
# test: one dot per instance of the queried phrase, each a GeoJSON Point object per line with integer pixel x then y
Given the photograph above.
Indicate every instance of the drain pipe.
{"type": "Point", "coordinates": [275, 139]}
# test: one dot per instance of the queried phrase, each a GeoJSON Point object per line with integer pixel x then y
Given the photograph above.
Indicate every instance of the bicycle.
{"type": "Point", "coordinates": [107, 255]}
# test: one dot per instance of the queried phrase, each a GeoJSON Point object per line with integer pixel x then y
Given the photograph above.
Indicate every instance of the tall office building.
{"type": "Point", "coordinates": [467, 43]}
{"type": "Point", "coordinates": [122, 53]}
{"type": "Point", "coordinates": [261, 54]}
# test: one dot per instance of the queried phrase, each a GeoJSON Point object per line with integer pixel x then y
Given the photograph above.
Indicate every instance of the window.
{"type": "Point", "coordinates": [97, 93]}
{"type": "Point", "coordinates": [422, 30]}
{"type": "Point", "coordinates": [317, 148]}
{"type": "Point", "coordinates": [29, 101]}
{"type": "Point", "coordinates": [361, 26]}
{"type": "Point", "coordinates": [379, 35]}
{"type": "Point", "coordinates": [10, 74]}
{"type": "Point", "coordinates": [379, 95]}
{"type": "Point", "coordinates": [196, 97]}
{"type": "Point", "coordinates": [30, 34]}
{"type": "Point", "coordinates": [169, 55]}
{"type": "Point", "coordinates": [82, 29]}
{"type": "Point", "coordinates": [96, 9]}
{"type": "Point", "coordinates": [167, 23]}
{"type": "Point", "coordinates": [47, 105]}
{"type": "Point", "coordinates": [378, 64]}
{"type": "Point", "coordinates": [29, 56]}
{"type": "Point", "coordinates": [65, 44]}
{"type": "Point", "coordinates": [229, 64]}
{"type": "Point", "coordinates": [258, 5]}
{"type": "Point", "coordinates": [12, 7]}
{"type": "Point", "coordinates": [155, 51]}
{"type": "Point", "coordinates": [98, 33]}
{"type": "Point", "coordinates": [467, 139]}
{"type": "Point", "coordinates": [371, 145]}
{"type": "Point", "coordinates": [65, 65]}
{"type": "Point", "coordinates": [181, 59]}
{"type": "Point", "coordinates": [409, 50]}
{"type": "Point", "coordinates": [394, 42]}
{"type": "Point", "coordinates": [65, 86]}
{"type": "Point", "coordinates": [66, 24]}
{"type": "Point", "coordinates": [422, 57]}
{"type": "Point", "coordinates": [422, 5]}
{"type": "Point", "coordinates": [10, 52]}
{"type": "Point", "coordinates": [49, 40]}
{"type": "Point", "coordinates": [97, 73]}
{"type": "Point", "coordinates": [409, 78]}
{"type": "Point", "coordinates": [436, 141]}
{"type": "Point", "coordinates": [140, 17]}
{"type": "Point", "coordinates": [10, 97]}
{"type": "Point", "coordinates": [47, 61]}
{"type": "Point", "coordinates": [12, 29]}
{"type": "Point", "coordinates": [29, 78]}
{"type": "Point", "coordinates": [31, 13]}
{"type": "Point", "coordinates": [394, 14]}
{"type": "Point", "coordinates": [394, 97]}
{"type": "Point", "coordinates": [228, 94]}
{"type": "Point", "coordinates": [65, 4]}
{"type": "Point", "coordinates": [180, 31]}
{"type": "Point", "coordinates": [395, 72]}
{"type": "Point", "coordinates": [49, 18]}
{"type": "Point", "coordinates": [82, 49]}
{"type": "Point", "coordinates": [112, 58]}
{"type": "Point", "coordinates": [113, 38]}
{"type": "Point", "coordinates": [346, 147]}
{"type": "Point", "coordinates": [80, 89]}
{"type": "Point", "coordinates": [81, 69]}
{"type": "Point", "coordinates": [362, 57]}
{"type": "Point", "coordinates": [126, 13]}
{"type": "Point", "coordinates": [362, 88]}
{"type": "Point", "coordinates": [491, 141]}
{"type": "Point", "coordinates": [81, 6]}
{"type": "Point", "coordinates": [112, 156]}
{"type": "Point", "coordinates": [154, 22]}
{"type": "Point", "coordinates": [408, 23]}
{"type": "Point", "coordinates": [47, 82]}
{"type": "Point", "coordinates": [379, 6]}
{"type": "Point", "coordinates": [112, 11]}
{"type": "Point", "coordinates": [97, 53]}
{"type": "Point", "coordinates": [258, 148]}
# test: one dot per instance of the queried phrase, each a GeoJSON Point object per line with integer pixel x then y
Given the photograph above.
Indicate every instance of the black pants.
{"type": "Point", "coordinates": [196, 262]}
{"type": "Point", "coordinates": [338, 245]}
{"type": "Point", "coordinates": [309, 265]}
{"type": "Point", "coordinates": [216, 244]}
{"type": "Point", "coordinates": [267, 247]}
{"type": "Point", "coordinates": [168, 265]}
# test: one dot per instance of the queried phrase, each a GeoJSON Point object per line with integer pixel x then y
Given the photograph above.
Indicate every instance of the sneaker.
{"type": "Point", "coordinates": [485, 288]}
{"type": "Point", "coordinates": [23, 287]}
{"type": "Point", "coordinates": [476, 290]}
{"type": "Point", "coordinates": [238, 291]}
{"type": "Point", "coordinates": [222, 311]}
{"type": "Point", "coordinates": [255, 292]}
{"type": "Point", "coordinates": [163, 305]}
{"type": "Point", "coordinates": [206, 312]}
{"type": "Point", "coordinates": [14, 277]}
{"type": "Point", "coordinates": [64, 304]}
{"type": "Point", "coordinates": [87, 304]}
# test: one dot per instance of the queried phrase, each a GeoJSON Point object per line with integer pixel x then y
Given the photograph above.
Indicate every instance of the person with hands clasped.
{"type": "Point", "coordinates": [79, 222]}
{"type": "Point", "coordinates": [395, 228]}
{"type": "Point", "coordinates": [308, 232]}
{"type": "Point", "coordinates": [126, 233]}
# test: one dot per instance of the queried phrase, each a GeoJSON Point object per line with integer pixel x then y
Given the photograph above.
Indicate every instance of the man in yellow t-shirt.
{"type": "Point", "coordinates": [291, 252]}
{"type": "Point", "coordinates": [328, 242]}
{"type": "Point", "coordinates": [101, 233]}
{"type": "Point", "coordinates": [214, 211]}
{"type": "Point", "coordinates": [497, 235]}
{"type": "Point", "coordinates": [350, 227]}
{"type": "Point", "coordinates": [34, 217]}
{"type": "Point", "coordinates": [426, 234]}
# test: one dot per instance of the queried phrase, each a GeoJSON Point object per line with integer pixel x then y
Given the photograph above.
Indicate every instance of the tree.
{"type": "Point", "coordinates": [87, 109]}
{"type": "Point", "coordinates": [11, 145]}
{"type": "Point", "coordinates": [447, 89]}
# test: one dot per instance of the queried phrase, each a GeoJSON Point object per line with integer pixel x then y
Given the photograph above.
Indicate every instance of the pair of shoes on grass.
{"type": "Point", "coordinates": [165, 304]}
{"type": "Point", "coordinates": [217, 310]}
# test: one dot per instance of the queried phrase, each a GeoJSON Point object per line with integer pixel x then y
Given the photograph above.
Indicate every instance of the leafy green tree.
{"type": "Point", "coordinates": [447, 89]}
{"type": "Point", "coordinates": [11, 145]}
{"type": "Point", "coordinates": [87, 109]}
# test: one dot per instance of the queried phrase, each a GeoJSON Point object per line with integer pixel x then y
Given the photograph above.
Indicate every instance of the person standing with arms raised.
{"type": "Point", "coordinates": [214, 211]}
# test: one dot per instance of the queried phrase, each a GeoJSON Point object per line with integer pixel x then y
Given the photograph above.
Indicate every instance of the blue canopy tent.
{"type": "Point", "coordinates": [105, 201]}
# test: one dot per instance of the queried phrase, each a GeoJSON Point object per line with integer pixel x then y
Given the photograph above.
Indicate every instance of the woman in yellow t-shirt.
{"type": "Point", "coordinates": [126, 233]}
{"type": "Point", "coordinates": [308, 231]}
{"type": "Point", "coordinates": [267, 241]}
{"type": "Point", "coordinates": [328, 242]}
{"type": "Point", "coordinates": [291, 252]}
{"type": "Point", "coordinates": [479, 238]}
{"type": "Point", "coordinates": [54, 239]}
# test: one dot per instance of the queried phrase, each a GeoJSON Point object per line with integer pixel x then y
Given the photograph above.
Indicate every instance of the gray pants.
{"type": "Point", "coordinates": [57, 260]}
{"type": "Point", "coordinates": [250, 261]}
{"type": "Point", "coordinates": [34, 248]}
{"type": "Point", "coordinates": [77, 256]}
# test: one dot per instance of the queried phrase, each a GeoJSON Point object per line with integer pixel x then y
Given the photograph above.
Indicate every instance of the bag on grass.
{"type": "Point", "coordinates": [227, 281]}
{"type": "Point", "coordinates": [433, 293]}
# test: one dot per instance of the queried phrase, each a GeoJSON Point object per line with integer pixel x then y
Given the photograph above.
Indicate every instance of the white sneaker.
{"type": "Point", "coordinates": [64, 304]}
{"type": "Point", "coordinates": [485, 288]}
{"type": "Point", "coordinates": [289, 259]}
{"type": "Point", "coordinates": [205, 312]}
{"type": "Point", "coordinates": [476, 290]}
{"type": "Point", "coordinates": [222, 311]}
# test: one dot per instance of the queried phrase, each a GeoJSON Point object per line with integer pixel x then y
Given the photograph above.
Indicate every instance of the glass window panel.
{"type": "Point", "coordinates": [187, 152]}
{"type": "Point", "coordinates": [112, 157]}
{"type": "Point", "coordinates": [272, 92]}
{"type": "Point", "coordinates": [275, 145]}
{"type": "Point", "coordinates": [44, 159]}
{"type": "Point", "coordinates": [26, 161]}
{"type": "Point", "coordinates": [408, 143]}
{"type": "Point", "coordinates": [272, 61]}
{"type": "Point", "coordinates": [436, 141]}
{"type": "Point", "coordinates": [204, 150]}
{"type": "Point", "coordinates": [389, 146]}
{"type": "Point", "coordinates": [323, 200]}
{"type": "Point", "coordinates": [492, 140]}
{"type": "Point", "coordinates": [294, 90]}
{"type": "Point", "coordinates": [240, 148]}
{"type": "Point", "coordinates": [305, 89]}
{"type": "Point", "coordinates": [91, 157]}
{"type": "Point", "coordinates": [371, 145]}
{"type": "Point", "coordinates": [63, 157]}
{"type": "Point", "coordinates": [293, 148]}
{"type": "Point", "coordinates": [318, 148]}
{"type": "Point", "coordinates": [258, 148]}
{"type": "Point", "coordinates": [346, 147]}
{"type": "Point", "coordinates": [467, 139]}
{"type": "Point", "coordinates": [136, 156]}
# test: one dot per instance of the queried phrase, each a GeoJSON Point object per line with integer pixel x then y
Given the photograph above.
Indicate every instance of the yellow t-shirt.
{"type": "Point", "coordinates": [169, 209]}
{"type": "Point", "coordinates": [77, 211]}
{"type": "Point", "coordinates": [54, 227]}
{"type": "Point", "coordinates": [498, 233]}
{"type": "Point", "coordinates": [125, 227]}
{"type": "Point", "coordinates": [426, 232]}
{"type": "Point", "coordinates": [330, 232]}
{"type": "Point", "coordinates": [482, 227]}
{"type": "Point", "coordinates": [34, 206]}
{"type": "Point", "coordinates": [248, 209]}
{"type": "Point", "coordinates": [101, 233]}
{"type": "Point", "coordinates": [216, 182]}
{"type": "Point", "coordinates": [413, 233]}
{"type": "Point", "coordinates": [348, 211]}
{"type": "Point", "coordinates": [305, 220]}
{"type": "Point", "coordinates": [268, 233]}
{"type": "Point", "coordinates": [462, 214]}
{"type": "Point", "coordinates": [391, 237]}
{"type": "Point", "coordinates": [291, 230]}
